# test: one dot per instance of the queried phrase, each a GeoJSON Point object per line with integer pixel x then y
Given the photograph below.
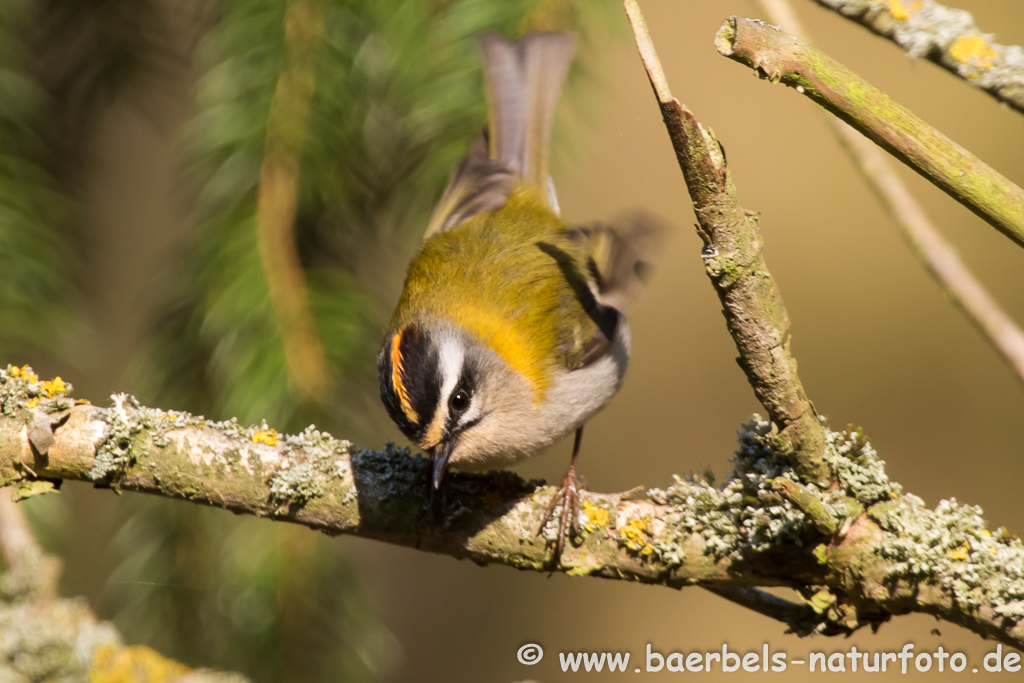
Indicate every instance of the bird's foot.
{"type": "Point", "coordinates": [568, 495]}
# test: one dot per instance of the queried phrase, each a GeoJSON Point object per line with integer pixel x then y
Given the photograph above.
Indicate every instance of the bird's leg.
{"type": "Point", "coordinates": [569, 496]}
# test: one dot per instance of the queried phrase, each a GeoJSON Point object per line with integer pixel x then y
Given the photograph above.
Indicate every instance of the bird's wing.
{"type": "Point", "coordinates": [619, 255]}
{"type": "Point", "coordinates": [615, 261]}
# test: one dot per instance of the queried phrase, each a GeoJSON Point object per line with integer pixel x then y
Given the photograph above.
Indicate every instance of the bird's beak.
{"type": "Point", "coordinates": [442, 452]}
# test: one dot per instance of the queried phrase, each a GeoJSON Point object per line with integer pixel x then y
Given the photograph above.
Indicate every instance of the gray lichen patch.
{"type": "Point", "coordinates": [114, 454]}
{"type": "Point", "coordinates": [325, 453]}
{"type": "Point", "coordinates": [744, 515]}
{"type": "Point", "coordinates": [752, 512]}
{"type": "Point", "coordinates": [297, 484]}
{"type": "Point", "coordinates": [131, 430]}
{"type": "Point", "coordinates": [312, 459]}
{"type": "Point", "coordinates": [858, 467]}
{"type": "Point", "coordinates": [951, 547]}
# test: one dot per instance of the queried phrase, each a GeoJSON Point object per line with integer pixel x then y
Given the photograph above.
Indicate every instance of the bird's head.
{"type": "Point", "coordinates": [447, 393]}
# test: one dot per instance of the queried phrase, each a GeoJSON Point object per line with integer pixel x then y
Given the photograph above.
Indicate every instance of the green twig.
{"type": "Point", "coordinates": [946, 36]}
{"type": "Point", "coordinates": [783, 58]}
{"type": "Point", "coordinates": [936, 253]}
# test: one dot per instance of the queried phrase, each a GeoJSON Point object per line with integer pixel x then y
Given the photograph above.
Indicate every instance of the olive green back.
{"type": "Point", "coordinates": [514, 279]}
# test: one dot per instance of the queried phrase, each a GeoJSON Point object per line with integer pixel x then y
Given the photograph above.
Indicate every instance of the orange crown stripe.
{"type": "Point", "coordinates": [396, 378]}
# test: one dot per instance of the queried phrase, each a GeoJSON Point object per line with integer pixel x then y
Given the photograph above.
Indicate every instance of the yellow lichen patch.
{"type": "Point", "coordinates": [136, 664]}
{"type": "Point", "coordinates": [898, 11]}
{"type": "Point", "coordinates": [634, 534]}
{"type": "Point", "coordinates": [82, 402]}
{"type": "Point", "coordinates": [596, 516]}
{"type": "Point", "coordinates": [986, 533]}
{"type": "Point", "coordinates": [959, 553]}
{"type": "Point", "coordinates": [53, 387]}
{"type": "Point", "coordinates": [267, 436]}
{"type": "Point", "coordinates": [25, 372]}
{"type": "Point", "coordinates": [647, 549]}
{"type": "Point", "coordinates": [973, 50]}
{"type": "Point", "coordinates": [32, 403]}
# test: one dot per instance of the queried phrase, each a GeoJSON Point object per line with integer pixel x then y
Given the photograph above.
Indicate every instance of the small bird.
{"type": "Point", "coordinates": [510, 332]}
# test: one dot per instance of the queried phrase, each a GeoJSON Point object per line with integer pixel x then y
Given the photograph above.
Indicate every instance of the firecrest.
{"type": "Point", "coordinates": [510, 332]}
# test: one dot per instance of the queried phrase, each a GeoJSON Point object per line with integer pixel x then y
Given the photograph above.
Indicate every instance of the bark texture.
{"type": "Point", "coordinates": [858, 549]}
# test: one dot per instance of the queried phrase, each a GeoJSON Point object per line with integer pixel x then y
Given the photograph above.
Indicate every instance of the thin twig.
{"type": "Point", "coordinates": [277, 201]}
{"type": "Point", "coordinates": [781, 57]}
{"type": "Point", "coordinates": [800, 617]}
{"type": "Point", "coordinates": [946, 36]}
{"type": "Point", "coordinates": [17, 544]}
{"type": "Point", "coordinates": [753, 307]}
{"type": "Point", "coordinates": [937, 254]}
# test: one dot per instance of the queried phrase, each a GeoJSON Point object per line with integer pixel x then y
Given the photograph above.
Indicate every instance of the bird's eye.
{"type": "Point", "coordinates": [459, 401]}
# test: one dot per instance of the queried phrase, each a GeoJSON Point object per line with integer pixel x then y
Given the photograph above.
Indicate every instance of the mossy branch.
{"type": "Point", "coordinates": [938, 255]}
{"type": "Point", "coordinates": [780, 57]}
{"type": "Point", "coordinates": [946, 36]}
{"type": "Point", "coordinates": [858, 549]}
{"type": "Point", "coordinates": [857, 534]}
{"type": "Point", "coordinates": [751, 302]}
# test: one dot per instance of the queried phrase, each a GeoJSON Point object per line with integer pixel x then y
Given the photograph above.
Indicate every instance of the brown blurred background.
{"type": "Point", "coordinates": [878, 344]}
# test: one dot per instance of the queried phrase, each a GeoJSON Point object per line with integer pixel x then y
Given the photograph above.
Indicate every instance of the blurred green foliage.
{"type": "Point", "coordinates": [36, 289]}
{"type": "Point", "coordinates": [398, 99]}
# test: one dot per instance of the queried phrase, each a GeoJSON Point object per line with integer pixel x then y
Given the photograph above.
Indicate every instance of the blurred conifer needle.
{"type": "Point", "coordinates": [277, 202]}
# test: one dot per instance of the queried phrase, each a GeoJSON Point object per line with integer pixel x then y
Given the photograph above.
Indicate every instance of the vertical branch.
{"type": "Point", "coordinates": [751, 302]}
{"type": "Point", "coordinates": [936, 253]}
{"type": "Point", "coordinates": [277, 201]}
{"type": "Point", "coordinates": [30, 572]}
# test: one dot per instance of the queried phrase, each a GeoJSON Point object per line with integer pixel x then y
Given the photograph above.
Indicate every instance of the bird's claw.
{"type": "Point", "coordinates": [568, 495]}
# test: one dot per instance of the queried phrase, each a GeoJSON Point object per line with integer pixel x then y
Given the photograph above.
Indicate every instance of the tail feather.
{"type": "Point", "coordinates": [523, 80]}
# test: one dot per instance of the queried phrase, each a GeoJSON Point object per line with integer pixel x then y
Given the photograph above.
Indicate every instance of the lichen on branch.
{"type": "Point", "coordinates": [859, 546]}
{"type": "Point", "coordinates": [850, 516]}
{"type": "Point", "coordinates": [944, 35]}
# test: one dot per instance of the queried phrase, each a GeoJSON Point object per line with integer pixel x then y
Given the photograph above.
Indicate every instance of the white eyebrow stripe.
{"type": "Point", "coordinates": [449, 363]}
